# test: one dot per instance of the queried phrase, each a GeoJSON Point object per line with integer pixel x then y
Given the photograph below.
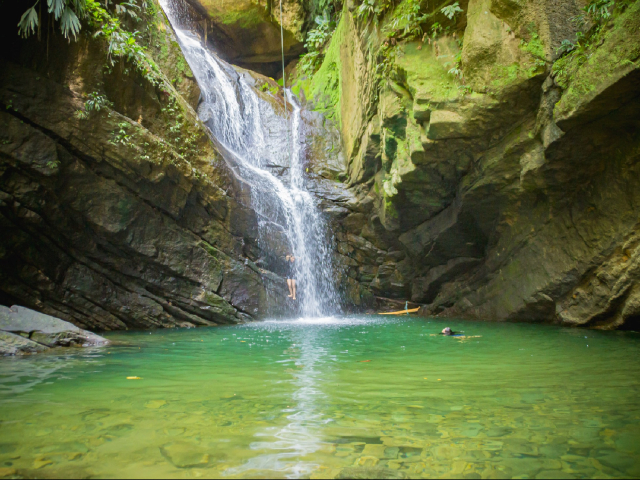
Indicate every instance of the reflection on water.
{"type": "Point", "coordinates": [302, 435]}
{"type": "Point", "coordinates": [328, 398]}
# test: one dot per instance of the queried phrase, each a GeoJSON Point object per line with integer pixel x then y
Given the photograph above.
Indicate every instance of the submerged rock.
{"type": "Point", "coordinates": [184, 455]}
{"type": "Point", "coordinates": [25, 331]}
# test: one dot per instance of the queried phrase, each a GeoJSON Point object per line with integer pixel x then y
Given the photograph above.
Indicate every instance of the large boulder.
{"type": "Point", "coordinates": [13, 344]}
{"type": "Point", "coordinates": [26, 331]}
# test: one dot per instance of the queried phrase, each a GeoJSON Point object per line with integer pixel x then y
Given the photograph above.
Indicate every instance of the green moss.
{"type": "Point", "coordinates": [323, 89]}
{"type": "Point", "coordinates": [125, 210]}
{"type": "Point", "coordinates": [425, 74]}
{"type": "Point", "coordinates": [390, 210]}
{"type": "Point", "coordinates": [215, 300]}
{"type": "Point", "coordinates": [248, 18]}
{"type": "Point", "coordinates": [535, 47]}
{"type": "Point", "coordinates": [210, 249]}
{"type": "Point", "coordinates": [164, 52]}
{"type": "Point", "coordinates": [267, 87]}
{"type": "Point", "coordinates": [503, 75]}
{"type": "Point", "coordinates": [533, 64]}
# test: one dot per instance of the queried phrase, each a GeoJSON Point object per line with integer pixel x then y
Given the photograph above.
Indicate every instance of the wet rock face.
{"type": "Point", "coordinates": [247, 33]}
{"type": "Point", "coordinates": [509, 195]}
{"type": "Point", "coordinates": [126, 217]}
{"type": "Point", "coordinates": [24, 331]}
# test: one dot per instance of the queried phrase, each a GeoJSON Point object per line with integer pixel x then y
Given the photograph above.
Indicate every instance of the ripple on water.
{"type": "Point", "coordinates": [357, 397]}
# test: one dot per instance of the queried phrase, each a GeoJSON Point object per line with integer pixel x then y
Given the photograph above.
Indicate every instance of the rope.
{"type": "Point", "coordinates": [284, 87]}
{"type": "Point", "coordinates": [284, 79]}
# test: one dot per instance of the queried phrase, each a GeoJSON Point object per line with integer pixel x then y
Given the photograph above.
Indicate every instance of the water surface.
{"type": "Point", "coordinates": [320, 398]}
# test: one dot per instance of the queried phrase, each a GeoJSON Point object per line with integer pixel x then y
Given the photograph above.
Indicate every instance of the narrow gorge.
{"type": "Point", "coordinates": [481, 168]}
{"type": "Point", "coordinates": [407, 231]}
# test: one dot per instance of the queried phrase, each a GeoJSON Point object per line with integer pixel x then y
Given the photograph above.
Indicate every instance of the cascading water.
{"type": "Point", "coordinates": [251, 135]}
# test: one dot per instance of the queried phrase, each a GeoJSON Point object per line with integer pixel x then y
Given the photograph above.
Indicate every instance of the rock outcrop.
{"type": "Point", "coordinates": [247, 33]}
{"type": "Point", "coordinates": [24, 331]}
{"type": "Point", "coordinates": [508, 190]}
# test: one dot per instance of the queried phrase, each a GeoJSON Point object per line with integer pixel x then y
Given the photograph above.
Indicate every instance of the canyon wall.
{"type": "Point", "coordinates": [478, 172]}
{"type": "Point", "coordinates": [116, 210]}
{"type": "Point", "coordinates": [508, 190]}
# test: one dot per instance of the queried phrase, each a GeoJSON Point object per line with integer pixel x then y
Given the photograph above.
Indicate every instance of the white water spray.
{"type": "Point", "coordinates": [254, 138]}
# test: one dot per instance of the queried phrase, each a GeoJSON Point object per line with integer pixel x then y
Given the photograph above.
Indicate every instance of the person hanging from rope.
{"type": "Point", "coordinates": [291, 276]}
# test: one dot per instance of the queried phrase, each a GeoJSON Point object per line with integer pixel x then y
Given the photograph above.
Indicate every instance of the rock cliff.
{"type": "Point", "coordinates": [497, 175]}
{"type": "Point", "coordinates": [481, 162]}
{"type": "Point", "coordinates": [247, 32]}
{"type": "Point", "coordinates": [116, 210]}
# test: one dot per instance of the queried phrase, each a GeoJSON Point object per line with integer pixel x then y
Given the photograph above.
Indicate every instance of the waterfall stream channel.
{"type": "Point", "coordinates": [254, 136]}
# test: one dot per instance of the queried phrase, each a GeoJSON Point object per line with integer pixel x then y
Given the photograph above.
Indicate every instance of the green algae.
{"type": "Point", "coordinates": [242, 18]}
{"type": "Point", "coordinates": [323, 88]}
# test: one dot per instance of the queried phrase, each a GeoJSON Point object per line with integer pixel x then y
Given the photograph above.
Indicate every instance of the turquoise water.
{"type": "Point", "coordinates": [328, 398]}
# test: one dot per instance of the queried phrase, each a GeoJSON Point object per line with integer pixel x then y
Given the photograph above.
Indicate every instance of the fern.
{"type": "Point", "coordinates": [600, 10]}
{"type": "Point", "coordinates": [128, 8]}
{"type": "Point", "coordinates": [67, 12]}
{"type": "Point", "coordinates": [452, 11]}
{"type": "Point", "coordinates": [316, 39]}
{"type": "Point", "coordinates": [70, 13]}
{"type": "Point", "coordinates": [56, 7]}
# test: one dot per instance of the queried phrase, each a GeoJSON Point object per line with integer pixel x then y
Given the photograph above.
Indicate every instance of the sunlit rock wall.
{"type": "Point", "coordinates": [507, 194]}
{"type": "Point", "coordinates": [247, 33]}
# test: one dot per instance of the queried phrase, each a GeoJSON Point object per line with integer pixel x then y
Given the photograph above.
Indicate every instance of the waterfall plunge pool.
{"type": "Point", "coordinates": [363, 396]}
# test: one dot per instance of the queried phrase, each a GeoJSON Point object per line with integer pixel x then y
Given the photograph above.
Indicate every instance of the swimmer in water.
{"type": "Point", "coordinates": [447, 332]}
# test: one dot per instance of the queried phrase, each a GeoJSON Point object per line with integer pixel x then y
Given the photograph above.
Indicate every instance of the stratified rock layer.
{"type": "Point", "coordinates": [247, 33]}
{"type": "Point", "coordinates": [123, 217]}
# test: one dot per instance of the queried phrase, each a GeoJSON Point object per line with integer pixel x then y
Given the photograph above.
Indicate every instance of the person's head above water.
{"type": "Point", "coordinates": [447, 331]}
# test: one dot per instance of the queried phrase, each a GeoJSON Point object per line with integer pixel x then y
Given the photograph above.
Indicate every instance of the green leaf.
{"type": "Point", "coordinates": [69, 23]}
{"type": "Point", "coordinates": [29, 22]}
{"type": "Point", "coordinates": [56, 7]}
{"type": "Point", "coordinates": [451, 11]}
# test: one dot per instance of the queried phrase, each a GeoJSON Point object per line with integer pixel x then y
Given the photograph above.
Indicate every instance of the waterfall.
{"type": "Point", "coordinates": [254, 136]}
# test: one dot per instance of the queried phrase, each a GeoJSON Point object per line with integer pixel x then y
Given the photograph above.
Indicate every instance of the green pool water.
{"type": "Point", "coordinates": [360, 397]}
